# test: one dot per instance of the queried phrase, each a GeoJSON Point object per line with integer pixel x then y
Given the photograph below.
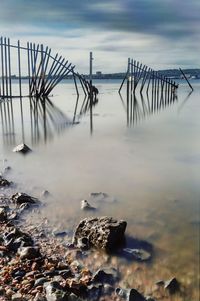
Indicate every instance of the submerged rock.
{"type": "Point", "coordinates": [101, 197]}
{"type": "Point", "coordinates": [101, 232]}
{"type": "Point", "coordinates": [22, 148]}
{"type": "Point", "coordinates": [4, 182]}
{"type": "Point", "coordinates": [137, 254]}
{"type": "Point", "coordinates": [45, 193]}
{"type": "Point", "coordinates": [86, 206]}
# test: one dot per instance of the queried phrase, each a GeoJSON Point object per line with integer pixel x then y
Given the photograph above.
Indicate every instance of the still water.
{"type": "Point", "coordinates": [145, 156]}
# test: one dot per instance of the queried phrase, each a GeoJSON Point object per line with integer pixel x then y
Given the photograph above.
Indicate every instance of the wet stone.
{"type": "Point", "coordinates": [16, 239]}
{"type": "Point", "coordinates": [106, 275]}
{"type": "Point", "coordinates": [3, 214]}
{"type": "Point", "coordinates": [101, 232]}
{"type": "Point", "coordinates": [172, 285]}
{"type": "Point", "coordinates": [18, 273]}
{"type": "Point", "coordinates": [29, 253]}
{"type": "Point", "coordinates": [23, 198]}
{"type": "Point", "coordinates": [39, 297]}
{"type": "Point", "coordinates": [149, 298]}
{"type": "Point", "coordinates": [73, 297]}
{"type": "Point", "coordinates": [22, 148]}
{"type": "Point", "coordinates": [94, 291]}
{"type": "Point", "coordinates": [4, 182]}
{"type": "Point", "coordinates": [137, 254]}
{"type": "Point", "coordinates": [17, 297]}
{"type": "Point", "coordinates": [45, 193]}
{"type": "Point", "coordinates": [55, 292]}
{"type": "Point", "coordinates": [130, 294]}
{"type": "Point", "coordinates": [65, 273]}
{"type": "Point", "coordinates": [86, 206]}
{"type": "Point", "coordinates": [40, 281]}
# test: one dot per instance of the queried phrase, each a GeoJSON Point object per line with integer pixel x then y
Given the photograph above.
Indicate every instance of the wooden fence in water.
{"type": "Point", "coordinates": [42, 70]}
{"type": "Point", "coordinates": [139, 75]}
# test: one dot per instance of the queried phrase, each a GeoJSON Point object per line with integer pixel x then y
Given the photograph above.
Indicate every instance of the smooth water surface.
{"type": "Point", "coordinates": [145, 156]}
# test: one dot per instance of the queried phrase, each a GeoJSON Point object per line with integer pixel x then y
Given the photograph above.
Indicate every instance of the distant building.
{"type": "Point", "coordinates": [99, 73]}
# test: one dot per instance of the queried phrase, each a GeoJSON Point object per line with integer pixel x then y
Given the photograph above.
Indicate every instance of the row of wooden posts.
{"type": "Point", "coordinates": [44, 71]}
{"type": "Point", "coordinates": [139, 75]}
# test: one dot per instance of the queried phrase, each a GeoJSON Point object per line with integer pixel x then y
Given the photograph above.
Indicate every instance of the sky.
{"type": "Point", "coordinates": [163, 34]}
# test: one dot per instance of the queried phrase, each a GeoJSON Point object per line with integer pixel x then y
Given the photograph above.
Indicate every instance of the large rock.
{"type": "Point", "coordinates": [101, 232]}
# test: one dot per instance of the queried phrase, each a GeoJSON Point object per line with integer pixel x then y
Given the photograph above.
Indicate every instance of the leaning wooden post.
{"type": "Point", "coordinates": [75, 83]}
{"type": "Point", "coordinates": [19, 68]}
{"type": "Point", "coordinates": [186, 78]}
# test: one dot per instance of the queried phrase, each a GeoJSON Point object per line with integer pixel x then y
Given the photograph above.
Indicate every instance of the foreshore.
{"type": "Point", "coordinates": [39, 266]}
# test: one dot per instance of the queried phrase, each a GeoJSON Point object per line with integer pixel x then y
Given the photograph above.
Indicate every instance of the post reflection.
{"type": "Point", "coordinates": [139, 106]}
{"type": "Point", "coordinates": [36, 120]}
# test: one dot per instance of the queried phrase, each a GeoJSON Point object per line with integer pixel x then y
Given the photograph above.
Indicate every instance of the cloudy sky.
{"type": "Point", "coordinates": [160, 33]}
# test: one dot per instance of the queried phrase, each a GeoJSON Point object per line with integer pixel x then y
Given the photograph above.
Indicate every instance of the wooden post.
{"type": "Point", "coordinates": [19, 68]}
{"type": "Point", "coordinates": [128, 76]}
{"type": "Point", "coordinates": [91, 94]}
{"type": "Point", "coordinates": [75, 83]}
{"type": "Point", "coordinates": [6, 66]}
{"type": "Point", "coordinates": [2, 67]}
{"type": "Point", "coordinates": [186, 79]}
{"type": "Point", "coordinates": [9, 69]}
{"type": "Point", "coordinates": [131, 75]}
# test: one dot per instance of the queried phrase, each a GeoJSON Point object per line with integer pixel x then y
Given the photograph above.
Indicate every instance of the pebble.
{"type": "Point", "coordinates": [172, 285]}
{"type": "Point", "coordinates": [40, 281]}
{"type": "Point", "coordinates": [86, 206]}
{"type": "Point", "coordinates": [3, 214]}
{"type": "Point", "coordinates": [17, 297]}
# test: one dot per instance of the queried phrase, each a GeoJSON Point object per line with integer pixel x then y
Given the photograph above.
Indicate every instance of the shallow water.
{"type": "Point", "coordinates": [145, 158]}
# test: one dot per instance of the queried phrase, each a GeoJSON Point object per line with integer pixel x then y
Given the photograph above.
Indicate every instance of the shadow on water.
{"type": "Point", "coordinates": [39, 118]}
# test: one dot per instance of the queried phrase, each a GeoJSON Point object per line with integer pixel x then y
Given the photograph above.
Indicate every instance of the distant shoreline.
{"type": "Point", "coordinates": [171, 73]}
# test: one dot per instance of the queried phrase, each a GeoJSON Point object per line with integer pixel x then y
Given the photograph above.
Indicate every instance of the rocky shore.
{"type": "Point", "coordinates": [40, 267]}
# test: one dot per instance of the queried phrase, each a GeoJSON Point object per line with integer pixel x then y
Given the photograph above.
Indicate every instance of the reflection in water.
{"type": "Point", "coordinates": [87, 105]}
{"type": "Point", "coordinates": [7, 122]}
{"type": "Point", "coordinates": [138, 107]}
{"type": "Point", "coordinates": [44, 118]}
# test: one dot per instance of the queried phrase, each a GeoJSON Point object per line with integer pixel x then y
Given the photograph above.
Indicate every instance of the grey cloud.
{"type": "Point", "coordinates": [171, 19]}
